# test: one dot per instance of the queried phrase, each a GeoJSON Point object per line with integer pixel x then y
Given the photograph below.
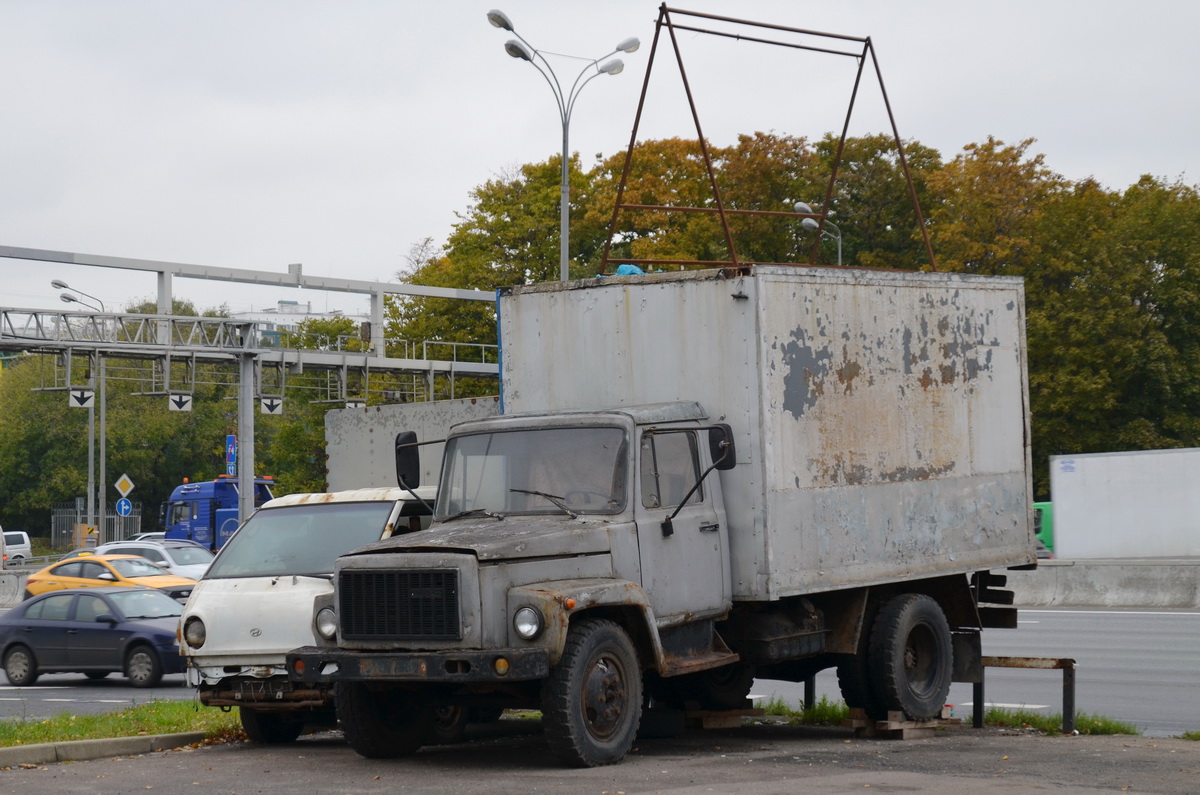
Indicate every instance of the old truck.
{"type": "Point", "coordinates": [698, 478]}
{"type": "Point", "coordinates": [255, 603]}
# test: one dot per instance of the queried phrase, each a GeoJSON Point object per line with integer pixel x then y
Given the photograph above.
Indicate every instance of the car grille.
{"type": "Point", "coordinates": [178, 593]}
{"type": "Point", "coordinates": [413, 604]}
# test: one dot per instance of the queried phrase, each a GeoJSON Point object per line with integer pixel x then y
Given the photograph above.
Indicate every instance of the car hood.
{"type": "Point", "coordinates": [165, 625]}
{"type": "Point", "coordinates": [158, 581]}
{"type": "Point", "coordinates": [508, 538]}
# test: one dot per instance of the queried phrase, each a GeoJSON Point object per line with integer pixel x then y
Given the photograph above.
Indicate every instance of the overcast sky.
{"type": "Point", "coordinates": [338, 134]}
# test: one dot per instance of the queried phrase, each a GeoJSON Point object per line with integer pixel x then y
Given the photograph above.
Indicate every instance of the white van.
{"type": "Point", "coordinates": [15, 548]}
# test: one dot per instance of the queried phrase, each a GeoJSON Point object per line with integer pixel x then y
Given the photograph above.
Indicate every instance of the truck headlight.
{"type": "Point", "coordinates": [326, 623]}
{"type": "Point", "coordinates": [528, 623]}
{"type": "Point", "coordinates": [194, 632]}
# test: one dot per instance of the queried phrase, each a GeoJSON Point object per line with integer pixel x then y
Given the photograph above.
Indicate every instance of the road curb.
{"type": "Point", "coordinates": [81, 750]}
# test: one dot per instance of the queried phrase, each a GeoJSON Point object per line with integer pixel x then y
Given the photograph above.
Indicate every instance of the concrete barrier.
{"type": "Point", "coordinates": [1152, 582]}
{"type": "Point", "coordinates": [12, 587]}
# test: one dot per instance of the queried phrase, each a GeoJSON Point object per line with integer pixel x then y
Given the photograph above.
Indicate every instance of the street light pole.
{"type": "Point", "coordinates": [70, 298]}
{"type": "Point", "coordinates": [812, 225]}
{"type": "Point", "coordinates": [520, 48]}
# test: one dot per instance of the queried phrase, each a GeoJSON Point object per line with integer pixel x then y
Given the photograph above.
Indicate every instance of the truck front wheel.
{"type": "Point", "coordinates": [911, 656]}
{"type": "Point", "coordinates": [381, 723]}
{"type": "Point", "coordinates": [592, 701]}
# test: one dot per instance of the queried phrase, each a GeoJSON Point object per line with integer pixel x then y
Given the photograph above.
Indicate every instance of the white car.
{"type": "Point", "coordinates": [181, 558]}
{"type": "Point", "coordinates": [256, 604]}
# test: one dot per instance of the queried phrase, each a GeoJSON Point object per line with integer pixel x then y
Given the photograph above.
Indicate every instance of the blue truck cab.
{"type": "Point", "coordinates": [207, 512]}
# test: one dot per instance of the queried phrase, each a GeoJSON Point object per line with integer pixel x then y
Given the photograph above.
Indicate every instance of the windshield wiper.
{"type": "Point", "coordinates": [470, 511]}
{"type": "Point", "coordinates": [558, 501]}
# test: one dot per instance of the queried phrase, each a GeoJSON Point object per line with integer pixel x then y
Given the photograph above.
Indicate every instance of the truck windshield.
{"type": "Point", "coordinates": [299, 539]}
{"type": "Point", "coordinates": [534, 471]}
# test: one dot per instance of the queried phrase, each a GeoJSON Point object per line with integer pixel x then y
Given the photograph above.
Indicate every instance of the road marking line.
{"type": "Point", "coordinates": [1111, 612]}
{"type": "Point", "coordinates": [1012, 706]}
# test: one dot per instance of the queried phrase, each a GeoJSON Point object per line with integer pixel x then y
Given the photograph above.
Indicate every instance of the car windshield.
{"type": "Point", "coordinates": [137, 603]}
{"type": "Point", "coordinates": [534, 471]}
{"type": "Point", "coordinates": [299, 539]}
{"type": "Point", "coordinates": [188, 554]}
{"type": "Point", "coordinates": [136, 567]}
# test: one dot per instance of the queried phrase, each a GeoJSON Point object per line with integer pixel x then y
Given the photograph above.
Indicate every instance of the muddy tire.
{"type": "Point", "coordinates": [911, 656]}
{"type": "Point", "coordinates": [381, 723]}
{"type": "Point", "coordinates": [592, 700]}
{"type": "Point", "coordinates": [270, 728]}
{"type": "Point", "coordinates": [20, 666]}
{"type": "Point", "coordinates": [143, 667]}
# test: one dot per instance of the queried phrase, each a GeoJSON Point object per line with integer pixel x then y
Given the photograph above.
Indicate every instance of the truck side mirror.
{"type": "Point", "coordinates": [720, 446]}
{"type": "Point", "coordinates": [408, 460]}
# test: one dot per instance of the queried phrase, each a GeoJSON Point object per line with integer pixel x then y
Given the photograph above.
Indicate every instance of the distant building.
{"type": "Point", "coordinates": [286, 316]}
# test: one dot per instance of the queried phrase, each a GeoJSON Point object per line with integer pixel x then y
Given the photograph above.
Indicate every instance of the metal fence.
{"type": "Point", "coordinates": [68, 521]}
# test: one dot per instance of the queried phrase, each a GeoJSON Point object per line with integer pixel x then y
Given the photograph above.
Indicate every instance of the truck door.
{"type": "Point", "coordinates": [687, 571]}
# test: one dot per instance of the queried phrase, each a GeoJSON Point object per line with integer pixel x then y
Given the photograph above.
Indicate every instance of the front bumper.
{"type": "Point", "coordinates": [312, 664]}
{"type": "Point", "coordinates": [275, 693]}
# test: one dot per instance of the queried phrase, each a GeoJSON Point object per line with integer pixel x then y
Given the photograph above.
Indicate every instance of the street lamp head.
{"type": "Point", "coordinates": [58, 284]}
{"type": "Point", "coordinates": [802, 207]}
{"type": "Point", "coordinates": [809, 224]}
{"type": "Point", "coordinates": [66, 298]}
{"type": "Point", "coordinates": [499, 19]}
{"type": "Point", "coordinates": [518, 50]}
{"type": "Point", "coordinates": [613, 67]}
{"type": "Point", "coordinates": [629, 45]}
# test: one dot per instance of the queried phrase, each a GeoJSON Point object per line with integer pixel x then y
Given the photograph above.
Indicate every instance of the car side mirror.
{"type": "Point", "coordinates": [720, 446]}
{"type": "Point", "coordinates": [106, 618]}
{"type": "Point", "coordinates": [408, 460]}
{"type": "Point", "coordinates": [107, 575]}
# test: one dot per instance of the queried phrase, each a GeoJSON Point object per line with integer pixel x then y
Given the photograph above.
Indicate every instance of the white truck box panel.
{"type": "Point", "coordinates": [879, 416]}
{"type": "Point", "coordinates": [361, 443]}
{"type": "Point", "coordinates": [1142, 504]}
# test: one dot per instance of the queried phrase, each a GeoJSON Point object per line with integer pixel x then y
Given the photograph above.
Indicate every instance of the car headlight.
{"type": "Point", "coordinates": [326, 623]}
{"type": "Point", "coordinates": [527, 621]}
{"type": "Point", "coordinates": [194, 632]}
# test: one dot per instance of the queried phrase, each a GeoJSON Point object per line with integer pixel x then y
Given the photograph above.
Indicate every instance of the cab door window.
{"type": "Point", "coordinates": [669, 468]}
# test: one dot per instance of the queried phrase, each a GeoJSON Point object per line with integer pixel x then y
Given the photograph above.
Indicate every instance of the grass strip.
{"type": "Point", "coordinates": [155, 717]}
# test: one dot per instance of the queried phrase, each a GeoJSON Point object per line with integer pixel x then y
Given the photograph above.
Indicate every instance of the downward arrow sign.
{"type": "Point", "coordinates": [181, 402]}
{"type": "Point", "coordinates": [271, 406]}
{"type": "Point", "coordinates": [81, 398]}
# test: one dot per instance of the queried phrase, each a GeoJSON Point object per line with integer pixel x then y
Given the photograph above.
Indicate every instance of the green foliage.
{"type": "Point", "coordinates": [155, 717]}
{"type": "Point", "coordinates": [1052, 724]}
{"type": "Point", "coordinates": [1192, 735]}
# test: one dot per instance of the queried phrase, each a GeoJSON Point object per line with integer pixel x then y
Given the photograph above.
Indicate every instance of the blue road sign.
{"type": "Point", "coordinates": [124, 507]}
{"type": "Point", "coordinates": [231, 449]}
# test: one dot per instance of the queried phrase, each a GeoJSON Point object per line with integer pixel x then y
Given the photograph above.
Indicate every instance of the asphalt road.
{"type": "Point", "coordinates": [510, 756]}
{"type": "Point", "coordinates": [1133, 665]}
{"type": "Point", "coordinates": [54, 694]}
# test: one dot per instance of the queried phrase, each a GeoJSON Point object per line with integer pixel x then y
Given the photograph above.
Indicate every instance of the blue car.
{"type": "Point", "coordinates": [94, 631]}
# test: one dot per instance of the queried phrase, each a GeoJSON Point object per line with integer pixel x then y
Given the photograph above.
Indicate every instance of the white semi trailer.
{"type": "Point", "coordinates": [699, 478]}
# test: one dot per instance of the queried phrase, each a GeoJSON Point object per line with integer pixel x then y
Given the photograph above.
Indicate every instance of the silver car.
{"type": "Point", "coordinates": [182, 558]}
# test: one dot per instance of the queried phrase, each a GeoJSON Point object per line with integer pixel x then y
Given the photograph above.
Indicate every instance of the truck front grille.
{"type": "Point", "coordinates": [413, 604]}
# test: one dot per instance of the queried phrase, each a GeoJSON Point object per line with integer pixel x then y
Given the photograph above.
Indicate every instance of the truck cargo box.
{"type": "Point", "coordinates": [880, 417]}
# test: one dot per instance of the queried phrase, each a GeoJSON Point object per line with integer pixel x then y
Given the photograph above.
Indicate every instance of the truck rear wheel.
{"type": "Point", "coordinates": [381, 723]}
{"type": "Point", "coordinates": [911, 656]}
{"type": "Point", "coordinates": [270, 728]}
{"type": "Point", "coordinates": [592, 700]}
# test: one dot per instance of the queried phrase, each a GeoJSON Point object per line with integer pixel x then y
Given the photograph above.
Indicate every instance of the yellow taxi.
{"type": "Point", "coordinates": [92, 571]}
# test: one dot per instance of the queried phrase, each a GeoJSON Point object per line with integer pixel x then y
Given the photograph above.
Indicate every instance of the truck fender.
{"type": "Point", "coordinates": [562, 601]}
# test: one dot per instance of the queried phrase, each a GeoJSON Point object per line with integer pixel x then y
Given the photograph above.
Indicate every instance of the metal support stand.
{"type": "Point", "coordinates": [1065, 664]}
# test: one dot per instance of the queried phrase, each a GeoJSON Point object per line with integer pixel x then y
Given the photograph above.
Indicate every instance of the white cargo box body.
{"type": "Point", "coordinates": [1139, 504]}
{"type": "Point", "coordinates": [880, 417]}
